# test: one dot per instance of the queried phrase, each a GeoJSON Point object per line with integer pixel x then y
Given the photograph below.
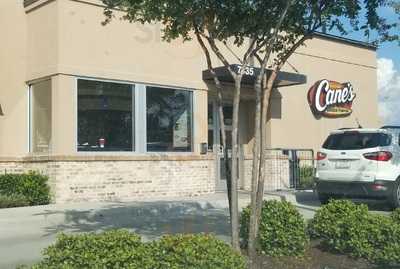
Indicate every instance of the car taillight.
{"type": "Point", "coordinates": [320, 156]}
{"type": "Point", "coordinates": [382, 156]}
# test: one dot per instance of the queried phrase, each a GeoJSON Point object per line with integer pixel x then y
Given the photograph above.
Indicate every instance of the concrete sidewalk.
{"type": "Point", "coordinates": [25, 232]}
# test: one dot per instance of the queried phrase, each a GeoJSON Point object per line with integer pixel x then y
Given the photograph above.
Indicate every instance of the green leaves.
{"type": "Point", "coordinates": [395, 215]}
{"type": "Point", "coordinates": [351, 229]}
{"type": "Point", "coordinates": [282, 229]}
{"type": "Point", "coordinates": [307, 177]}
{"type": "Point", "coordinates": [13, 200]}
{"type": "Point", "coordinates": [32, 186]}
{"type": "Point", "coordinates": [196, 251]}
{"type": "Point", "coordinates": [123, 249]}
{"type": "Point", "coordinates": [240, 19]}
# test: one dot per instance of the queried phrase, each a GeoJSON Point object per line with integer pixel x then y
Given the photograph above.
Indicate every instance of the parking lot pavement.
{"type": "Point", "coordinates": [24, 232]}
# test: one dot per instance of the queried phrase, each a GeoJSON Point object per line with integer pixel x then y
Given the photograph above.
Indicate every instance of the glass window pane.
{"type": "Point", "coordinates": [210, 139]}
{"type": "Point", "coordinates": [228, 112]}
{"type": "Point", "coordinates": [210, 114]}
{"type": "Point", "coordinates": [356, 140]}
{"type": "Point", "coordinates": [104, 116]}
{"type": "Point", "coordinates": [169, 120]}
{"type": "Point", "coordinates": [41, 117]}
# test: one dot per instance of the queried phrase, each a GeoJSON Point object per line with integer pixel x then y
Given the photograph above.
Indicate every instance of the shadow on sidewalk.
{"type": "Point", "coordinates": [149, 219]}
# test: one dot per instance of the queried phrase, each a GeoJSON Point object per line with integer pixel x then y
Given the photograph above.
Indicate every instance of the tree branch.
{"type": "Point", "coordinates": [233, 53]}
{"type": "Point", "coordinates": [295, 46]}
{"type": "Point", "coordinates": [221, 57]}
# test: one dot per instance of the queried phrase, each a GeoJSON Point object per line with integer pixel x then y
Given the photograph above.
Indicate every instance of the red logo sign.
{"type": "Point", "coordinates": [331, 99]}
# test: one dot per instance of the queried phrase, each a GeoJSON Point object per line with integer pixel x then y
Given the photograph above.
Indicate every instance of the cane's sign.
{"type": "Point", "coordinates": [331, 99]}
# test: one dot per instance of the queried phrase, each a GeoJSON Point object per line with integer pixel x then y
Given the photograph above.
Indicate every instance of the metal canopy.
{"type": "Point", "coordinates": [284, 78]}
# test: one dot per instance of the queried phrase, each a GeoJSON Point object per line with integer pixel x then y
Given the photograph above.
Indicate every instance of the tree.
{"type": "Point", "coordinates": [303, 20]}
{"type": "Point", "coordinates": [213, 24]}
{"type": "Point", "coordinates": [270, 31]}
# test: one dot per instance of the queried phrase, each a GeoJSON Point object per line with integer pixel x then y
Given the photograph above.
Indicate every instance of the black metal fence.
{"type": "Point", "coordinates": [290, 169]}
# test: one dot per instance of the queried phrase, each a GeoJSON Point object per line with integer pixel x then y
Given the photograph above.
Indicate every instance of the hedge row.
{"type": "Point", "coordinates": [351, 229]}
{"type": "Point", "coordinates": [123, 249]}
{"type": "Point", "coordinates": [396, 215]}
{"type": "Point", "coordinates": [24, 189]}
{"type": "Point", "coordinates": [341, 225]}
{"type": "Point", "coordinates": [283, 231]}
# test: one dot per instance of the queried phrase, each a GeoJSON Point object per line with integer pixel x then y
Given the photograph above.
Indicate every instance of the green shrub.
{"type": "Point", "coordinates": [196, 251]}
{"type": "Point", "coordinates": [383, 236]}
{"type": "Point", "coordinates": [337, 222]}
{"type": "Point", "coordinates": [396, 215]}
{"type": "Point", "coordinates": [122, 249]}
{"type": "Point", "coordinates": [307, 177]}
{"type": "Point", "coordinates": [32, 186]}
{"type": "Point", "coordinates": [350, 229]}
{"type": "Point", "coordinates": [112, 249]}
{"type": "Point", "coordinates": [14, 200]}
{"type": "Point", "coordinates": [282, 229]}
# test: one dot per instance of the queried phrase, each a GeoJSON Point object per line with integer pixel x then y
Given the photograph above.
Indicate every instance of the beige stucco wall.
{"type": "Point", "coordinates": [65, 39]}
{"type": "Point", "coordinates": [64, 120]}
{"type": "Point", "coordinates": [43, 41]}
{"type": "Point", "coordinates": [321, 59]}
{"type": "Point", "coordinates": [123, 51]}
{"type": "Point", "coordinates": [13, 90]}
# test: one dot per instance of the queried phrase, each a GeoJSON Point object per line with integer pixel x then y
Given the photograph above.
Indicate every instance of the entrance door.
{"type": "Point", "coordinates": [215, 143]}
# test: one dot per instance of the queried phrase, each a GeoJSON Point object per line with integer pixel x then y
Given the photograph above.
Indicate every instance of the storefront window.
{"type": "Point", "coordinates": [41, 117]}
{"type": "Point", "coordinates": [115, 117]}
{"type": "Point", "coordinates": [169, 120]}
{"type": "Point", "coordinates": [105, 116]}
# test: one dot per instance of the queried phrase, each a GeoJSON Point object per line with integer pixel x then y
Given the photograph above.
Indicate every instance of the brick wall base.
{"type": "Point", "coordinates": [77, 181]}
{"type": "Point", "coordinates": [277, 174]}
{"type": "Point", "coordinates": [124, 179]}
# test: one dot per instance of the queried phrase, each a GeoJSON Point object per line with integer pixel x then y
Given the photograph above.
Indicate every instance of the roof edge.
{"type": "Point", "coordinates": [346, 40]}
{"type": "Point", "coordinates": [29, 2]}
{"type": "Point", "coordinates": [316, 34]}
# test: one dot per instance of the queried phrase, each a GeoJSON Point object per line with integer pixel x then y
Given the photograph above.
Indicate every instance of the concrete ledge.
{"type": "Point", "coordinates": [95, 157]}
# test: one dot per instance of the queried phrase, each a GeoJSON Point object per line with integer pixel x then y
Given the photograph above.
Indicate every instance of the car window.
{"type": "Point", "coordinates": [356, 140]}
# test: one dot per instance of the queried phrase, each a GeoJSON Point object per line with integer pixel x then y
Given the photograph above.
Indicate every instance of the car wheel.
{"type": "Point", "coordinates": [323, 198]}
{"type": "Point", "coordinates": [395, 199]}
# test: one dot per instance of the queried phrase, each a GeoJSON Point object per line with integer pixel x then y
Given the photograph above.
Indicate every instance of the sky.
{"type": "Point", "coordinates": [388, 63]}
{"type": "Point", "coordinates": [389, 77]}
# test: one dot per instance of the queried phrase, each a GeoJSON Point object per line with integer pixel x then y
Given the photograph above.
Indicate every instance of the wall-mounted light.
{"type": "Point", "coordinates": [1, 111]}
{"type": "Point", "coordinates": [203, 148]}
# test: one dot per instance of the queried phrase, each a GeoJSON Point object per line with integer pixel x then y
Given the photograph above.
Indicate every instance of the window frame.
{"type": "Point", "coordinates": [30, 135]}
{"type": "Point", "coordinates": [380, 138]}
{"type": "Point", "coordinates": [192, 132]}
{"type": "Point", "coordinates": [133, 91]}
{"type": "Point", "coordinates": [139, 126]}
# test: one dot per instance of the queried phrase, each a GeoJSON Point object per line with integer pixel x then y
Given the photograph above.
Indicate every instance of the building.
{"type": "Point", "coordinates": [113, 113]}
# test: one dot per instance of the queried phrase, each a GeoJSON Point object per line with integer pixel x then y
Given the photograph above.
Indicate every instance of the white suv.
{"type": "Point", "coordinates": [360, 163]}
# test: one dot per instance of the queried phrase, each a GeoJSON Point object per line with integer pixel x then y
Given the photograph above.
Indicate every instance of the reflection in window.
{"type": "Point", "coordinates": [228, 113]}
{"type": "Point", "coordinates": [169, 120]}
{"type": "Point", "coordinates": [104, 116]}
{"type": "Point", "coordinates": [210, 127]}
{"type": "Point", "coordinates": [41, 117]}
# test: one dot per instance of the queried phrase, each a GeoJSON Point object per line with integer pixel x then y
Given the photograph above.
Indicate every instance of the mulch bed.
{"type": "Point", "coordinates": [316, 258]}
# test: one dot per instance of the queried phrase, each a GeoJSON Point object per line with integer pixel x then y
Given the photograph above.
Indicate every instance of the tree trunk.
{"type": "Point", "coordinates": [218, 85]}
{"type": "Point", "coordinates": [252, 251]}
{"type": "Point", "coordinates": [234, 170]}
{"type": "Point", "coordinates": [226, 163]}
{"type": "Point", "coordinates": [262, 172]}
